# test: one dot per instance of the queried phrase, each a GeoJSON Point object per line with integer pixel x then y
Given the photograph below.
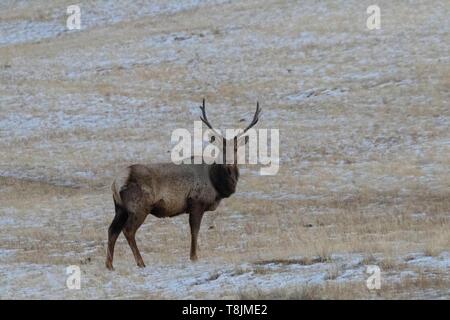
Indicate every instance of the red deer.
{"type": "Point", "coordinates": [168, 190]}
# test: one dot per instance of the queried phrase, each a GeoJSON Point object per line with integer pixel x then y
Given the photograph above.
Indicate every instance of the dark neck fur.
{"type": "Point", "coordinates": [224, 179]}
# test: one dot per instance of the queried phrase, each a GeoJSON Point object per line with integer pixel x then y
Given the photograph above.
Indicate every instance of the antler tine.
{"type": "Point", "coordinates": [205, 120]}
{"type": "Point", "coordinates": [255, 118]}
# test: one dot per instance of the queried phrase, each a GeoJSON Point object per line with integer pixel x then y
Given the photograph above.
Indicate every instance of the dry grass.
{"type": "Point", "coordinates": [363, 170]}
{"type": "Point", "coordinates": [404, 289]}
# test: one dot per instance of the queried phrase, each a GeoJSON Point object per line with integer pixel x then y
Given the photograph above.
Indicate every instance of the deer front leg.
{"type": "Point", "coordinates": [195, 219]}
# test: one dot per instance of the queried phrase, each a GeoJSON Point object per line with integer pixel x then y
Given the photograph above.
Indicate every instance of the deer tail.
{"type": "Point", "coordinates": [118, 185]}
{"type": "Point", "coordinates": [116, 194]}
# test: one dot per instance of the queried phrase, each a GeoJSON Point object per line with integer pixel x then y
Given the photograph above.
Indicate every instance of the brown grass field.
{"type": "Point", "coordinates": [364, 119]}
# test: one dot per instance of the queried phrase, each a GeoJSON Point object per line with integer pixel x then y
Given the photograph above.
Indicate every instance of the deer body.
{"type": "Point", "coordinates": [167, 190]}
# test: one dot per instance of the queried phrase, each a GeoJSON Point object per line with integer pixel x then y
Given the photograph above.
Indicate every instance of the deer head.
{"type": "Point", "coordinates": [233, 143]}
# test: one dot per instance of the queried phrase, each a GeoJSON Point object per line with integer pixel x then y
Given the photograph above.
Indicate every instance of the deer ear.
{"type": "Point", "coordinates": [243, 141]}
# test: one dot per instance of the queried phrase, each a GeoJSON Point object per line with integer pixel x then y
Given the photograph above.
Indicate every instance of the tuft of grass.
{"type": "Point", "coordinates": [333, 272]}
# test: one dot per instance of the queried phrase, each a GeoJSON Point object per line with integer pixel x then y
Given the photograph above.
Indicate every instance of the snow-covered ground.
{"type": "Point", "coordinates": [364, 123]}
{"type": "Point", "coordinates": [212, 281]}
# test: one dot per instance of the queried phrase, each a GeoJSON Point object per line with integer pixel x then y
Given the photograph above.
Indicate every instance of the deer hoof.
{"type": "Point", "coordinates": [194, 258]}
{"type": "Point", "coordinates": [141, 265]}
{"type": "Point", "coordinates": [109, 266]}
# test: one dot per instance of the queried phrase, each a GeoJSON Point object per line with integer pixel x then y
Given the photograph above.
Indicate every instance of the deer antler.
{"type": "Point", "coordinates": [254, 121]}
{"type": "Point", "coordinates": [205, 119]}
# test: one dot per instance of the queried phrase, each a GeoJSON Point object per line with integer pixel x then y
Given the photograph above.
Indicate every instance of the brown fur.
{"type": "Point", "coordinates": [167, 190]}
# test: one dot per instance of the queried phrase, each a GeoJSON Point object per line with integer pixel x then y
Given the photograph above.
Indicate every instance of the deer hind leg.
{"type": "Point", "coordinates": [114, 231]}
{"type": "Point", "coordinates": [134, 221]}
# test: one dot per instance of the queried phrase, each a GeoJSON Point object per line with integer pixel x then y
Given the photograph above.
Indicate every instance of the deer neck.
{"type": "Point", "coordinates": [224, 178]}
